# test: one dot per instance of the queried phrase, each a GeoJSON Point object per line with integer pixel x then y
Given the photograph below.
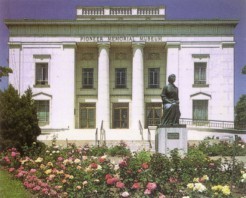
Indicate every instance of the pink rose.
{"type": "Point", "coordinates": [13, 154]}
{"type": "Point", "coordinates": [151, 186]}
{"type": "Point", "coordinates": [11, 170]}
{"type": "Point", "coordinates": [60, 159]}
{"type": "Point", "coordinates": [37, 188]}
{"type": "Point", "coordinates": [33, 170]}
{"type": "Point", "coordinates": [120, 185]}
{"type": "Point", "coordinates": [147, 192]}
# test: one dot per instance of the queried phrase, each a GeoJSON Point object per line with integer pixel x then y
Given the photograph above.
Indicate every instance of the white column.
{"type": "Point", "coordinates": [15, 50]}
{"type": "Point", "coordinates": [173, 60]}
{"type": "Point", "coordinates": [137, 85]}
{"type": "Point", "coordinates": [103, 103]}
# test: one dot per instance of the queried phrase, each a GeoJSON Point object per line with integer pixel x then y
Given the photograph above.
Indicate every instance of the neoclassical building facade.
{"type": "Point", "coordinates": [106, 69]}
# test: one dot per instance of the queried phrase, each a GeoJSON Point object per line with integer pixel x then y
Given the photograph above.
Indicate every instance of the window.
{"type": "Point", "coordinates": [200, 73]}
{"type": "Point", "coordinates": [120, 78]}
{"type": "Point", "coordinates": [41, 73]}
{"type": "Point", "coordinates": [154, 78]}
{"type": "Point", "coordinates": [200, 109]}
{"type": "Point", "coordinates": [120, 115]}
{"type": "Point", "coordinates": [87, 115]}
{"type": "Point", "coordinates": [153, 114]}
{"type": "Point", "coordinates": [43, 111]}
{"type": "Point", "coordinates": [87, 78]}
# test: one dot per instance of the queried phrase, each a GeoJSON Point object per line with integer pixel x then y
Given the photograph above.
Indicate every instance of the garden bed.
{"type": "Point", "coordinates": [53, 171]}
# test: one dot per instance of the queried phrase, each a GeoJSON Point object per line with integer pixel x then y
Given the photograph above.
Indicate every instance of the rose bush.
{"type": "Point", "coordinates": [75, 172]}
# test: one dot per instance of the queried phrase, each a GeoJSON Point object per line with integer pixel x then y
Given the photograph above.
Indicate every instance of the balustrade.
{"type": "Point", "coordinates": [114, 11]}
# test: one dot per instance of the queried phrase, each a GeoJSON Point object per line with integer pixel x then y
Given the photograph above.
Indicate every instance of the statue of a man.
{"type": "Point", "coordinates": [170, 100]}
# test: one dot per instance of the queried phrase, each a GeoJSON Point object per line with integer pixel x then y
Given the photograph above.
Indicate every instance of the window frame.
{"type": "Point", "coordinates": [152, 106]}
{"type": "Point", "coordinates": [47, 113]}
{"type": "Point", "coordinates": [205, 107]}
{"type": "Point", "coordinates": [123, 77]}
{"type": "Point", "coordinates": [87, 106]}
{"type": "Point", "coordinates": [120, 106]}
{"type": "Point", "coordinates": [154, 78]}
{"type": "Point", "coordinates": [199, 68]}
{"type": "Point", "coordinates": [86, 78]}
{"type": "Point", "coordinates": [42, 82]}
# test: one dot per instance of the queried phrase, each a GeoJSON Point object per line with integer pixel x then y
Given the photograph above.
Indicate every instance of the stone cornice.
{"type": "Point", "coordinates": [10, 22]}
{"type": "Point", "coordinates": [127, 28]}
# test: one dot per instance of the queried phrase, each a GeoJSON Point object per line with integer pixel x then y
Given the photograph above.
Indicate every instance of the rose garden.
{"type": "Point", "coordinates": [88, 171]}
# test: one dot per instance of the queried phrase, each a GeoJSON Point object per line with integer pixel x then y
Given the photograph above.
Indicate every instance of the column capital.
{"type": "Point", "coordinates": [172, 44]}
{"type": "Point", "coordinates": [15, 45]}
{"type": "Point", "coordinates": [138, 44]}
{"type": "Point", "coordinates": [103, 44]}
{"type": "Point", "coordinates": [69, 45]}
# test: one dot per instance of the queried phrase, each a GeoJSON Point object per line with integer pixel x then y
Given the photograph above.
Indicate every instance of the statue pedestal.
{"type": "Point", "coordinates": [169, 138]}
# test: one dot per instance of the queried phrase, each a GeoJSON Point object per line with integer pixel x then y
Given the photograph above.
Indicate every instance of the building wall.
{"type": "Point", "coordinates": [177, 55]}
{"type": "Point", "coordinates": [220, 78]}
{"type": "Point", "coordinates": [60, 91]}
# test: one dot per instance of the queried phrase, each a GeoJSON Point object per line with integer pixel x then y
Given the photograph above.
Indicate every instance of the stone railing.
{"type": "Point", "coordinates": [120, 11]}
{"type": "Point", "coordinates": [111, 12]}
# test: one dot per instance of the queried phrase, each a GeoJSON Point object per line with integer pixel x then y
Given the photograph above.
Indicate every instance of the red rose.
{"type": "Point", "coordinates": [112, 181]}
{"type": "Point", "coordinates": [145, 166]}
{"type": "Point", "coordinates": [136, 185]}
{"type": "Point", "coordinates": [94, 165]}
{"type": "Point", "coordinates": [101, 160]}
{"type": "Point", "coordinates": [122, 164]}
{"type": "Point", "coordinates": [108, 176]}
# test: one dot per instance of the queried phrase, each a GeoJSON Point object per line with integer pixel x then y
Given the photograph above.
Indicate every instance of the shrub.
{"type": "Point", "coordinates": [119, 150]}
{"type": "Point", "coordinates": [18, 119]}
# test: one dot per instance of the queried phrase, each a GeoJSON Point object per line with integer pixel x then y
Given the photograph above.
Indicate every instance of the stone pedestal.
{"type": "Point", "coordinates": [169, 138]}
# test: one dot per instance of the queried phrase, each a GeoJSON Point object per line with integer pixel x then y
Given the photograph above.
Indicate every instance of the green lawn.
{"type": "Point", "coordinates": [10, 187]}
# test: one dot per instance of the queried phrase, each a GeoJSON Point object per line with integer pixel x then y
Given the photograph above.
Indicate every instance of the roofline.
{"type": "Point", "coordinates": [10, 22]}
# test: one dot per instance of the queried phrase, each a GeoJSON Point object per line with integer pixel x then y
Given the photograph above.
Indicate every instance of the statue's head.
{"type": "Point", "coordinates": [171, 78]}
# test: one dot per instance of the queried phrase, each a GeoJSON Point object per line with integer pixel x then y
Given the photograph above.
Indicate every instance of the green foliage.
{"type": "Point", "coordinates": [219, 148]}
{"type": "Point", "coordinates": [119, 150]}
{"type": "Point", "coordinates": [18, 119]}
{"type": "Point", "coordinates": [95, 151]}
{"type": "Point", "coordinates": [244, 70]}
{"type": "Point", "coordinates": [4, 71]}
{"type": "Point", "coordinates": [72, 172]}
{"type": "Point", "coordinates": [240, 112]}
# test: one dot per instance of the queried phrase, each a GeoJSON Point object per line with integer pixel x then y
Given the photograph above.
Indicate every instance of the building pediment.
{"type": "Point", "coordinates": [41, 96]}
{"type": "Point", "coordinates": [201, 96]}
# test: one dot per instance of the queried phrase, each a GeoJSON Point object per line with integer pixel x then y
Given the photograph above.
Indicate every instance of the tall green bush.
{"type": "Point", "coordinates": [18, 119]}
{"type": "Point", "coordinates": [240, 112]}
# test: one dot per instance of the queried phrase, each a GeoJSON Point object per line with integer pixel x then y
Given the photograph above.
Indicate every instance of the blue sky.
{"type": "Point", "coordinates": [175, 9]}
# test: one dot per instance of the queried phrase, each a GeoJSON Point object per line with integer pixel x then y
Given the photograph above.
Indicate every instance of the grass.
{"type": "Point", "coordinates": [10, 187]}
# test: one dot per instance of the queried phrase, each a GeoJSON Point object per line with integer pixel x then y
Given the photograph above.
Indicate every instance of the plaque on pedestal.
{"type": "Point", "coordinates": [169, 138]}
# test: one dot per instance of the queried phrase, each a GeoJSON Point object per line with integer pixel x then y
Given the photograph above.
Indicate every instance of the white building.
{"type": "Point", "coordinates": [106, 69]}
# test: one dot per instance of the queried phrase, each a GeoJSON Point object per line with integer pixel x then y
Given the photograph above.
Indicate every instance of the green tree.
{"type": "Point", "coordinates": [4, 71]}
{"type": "Point", "coordinates": [244, 70]}
{"type": "Point", "coordinates": [240, 111]}
{"type": "Point", "coordinates": [18, 119]}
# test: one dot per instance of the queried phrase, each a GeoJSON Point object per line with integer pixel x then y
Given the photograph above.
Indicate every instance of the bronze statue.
{"type": "Point", "coordinates": [170, 100]}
